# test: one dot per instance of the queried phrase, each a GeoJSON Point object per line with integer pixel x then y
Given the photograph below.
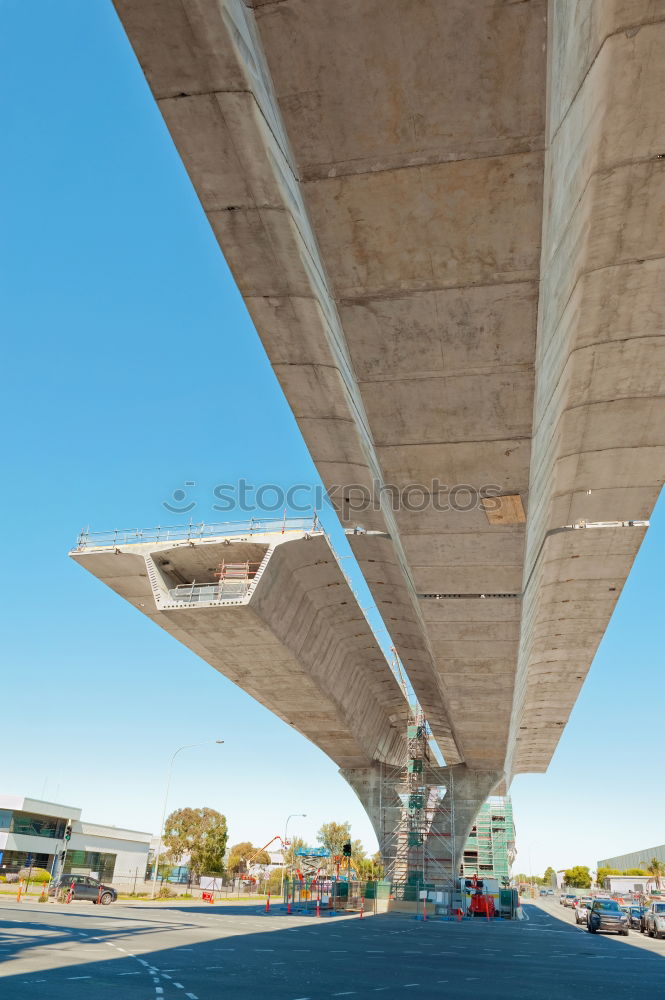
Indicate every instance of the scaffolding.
{"type": "Point", "coordinates": [417, 819]}
{"type": "Point", "coordinates": [490, 847]}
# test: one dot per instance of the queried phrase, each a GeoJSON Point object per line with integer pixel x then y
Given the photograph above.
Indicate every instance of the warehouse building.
{"type": "Point", "coordinates": [32, 834]}
{"type": "Point", "coordinates": [638, 859]}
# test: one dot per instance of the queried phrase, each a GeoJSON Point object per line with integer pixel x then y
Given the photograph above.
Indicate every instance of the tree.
{"type": "Point", "coordinates": [213, 849]}
{"type": "Point", "coordinates": [602, 874]}
{"type": "Point", "coordinates": [533, 879]}
{"type": "Point", "coordinates": [635, 871]}
{"type": "Point", "coordinates": [243, 852]}
{"type": "Point", "coordinates": [370, 869]}
{"type": "Point", "coordinates": [290, 858]}
{"type": "Point", "coordinates": [549, 876]}
{"type": "Point", "coordinates": [657, 869]}
{"type": "Point", "coordinates": [333, 836]}
{"type": "Point", "coordinates": [200, 835]}
{"type": "Point", "coordinates": [578, 877]}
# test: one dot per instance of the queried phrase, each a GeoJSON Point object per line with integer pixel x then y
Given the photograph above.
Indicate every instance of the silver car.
{"type": "Point", "coordinates": [654, 920]}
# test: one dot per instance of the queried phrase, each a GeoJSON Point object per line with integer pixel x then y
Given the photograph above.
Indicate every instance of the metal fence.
{"type": "Point", "coordinates": [321, 894]}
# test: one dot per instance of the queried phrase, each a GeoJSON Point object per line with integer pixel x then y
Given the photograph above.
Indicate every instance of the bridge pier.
{"type": "Point", "coordinates": [421, 821]}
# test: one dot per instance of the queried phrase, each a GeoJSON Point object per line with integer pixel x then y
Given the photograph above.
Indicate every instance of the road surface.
{"type": "Point", "coordinates": [194, 952]}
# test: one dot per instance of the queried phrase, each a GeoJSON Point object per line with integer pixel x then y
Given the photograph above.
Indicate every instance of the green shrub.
{"type": "Point", "coordinates": [166, 893]}
{"type": "Point", "coordinates": [38, 875]}
{"type": "Point", "coordinates": [3, 878]}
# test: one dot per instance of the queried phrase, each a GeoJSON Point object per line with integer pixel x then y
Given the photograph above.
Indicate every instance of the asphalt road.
{"type": "Point", "coordinates": [81, 952]}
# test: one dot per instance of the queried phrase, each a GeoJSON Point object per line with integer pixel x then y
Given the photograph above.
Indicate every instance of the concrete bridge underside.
{"type": "Point", "coordinates": [291, 634]}
{"type": "Point", "coordinates": [446, 221]}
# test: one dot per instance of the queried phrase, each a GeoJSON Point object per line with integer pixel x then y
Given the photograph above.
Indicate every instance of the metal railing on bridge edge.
{"type": "Point", "coordinates": [88, 539]}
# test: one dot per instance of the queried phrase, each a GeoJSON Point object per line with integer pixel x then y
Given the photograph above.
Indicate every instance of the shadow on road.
{"type": "Point", "coordinates": [223, 951]}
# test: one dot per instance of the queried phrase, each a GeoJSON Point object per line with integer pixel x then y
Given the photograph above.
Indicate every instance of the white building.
{"type": "Point", "coordinates": [629, 884]}
{"type": "Point", "coordinates": [32, 833]}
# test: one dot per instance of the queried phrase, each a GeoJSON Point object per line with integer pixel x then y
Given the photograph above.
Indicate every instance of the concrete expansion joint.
{"type": "Point", "coordinates": [584, 273]}
{"type": "Point", "coordinates": [434, 159]}
{"type": "Point", "coordinates": [563, 231]}
{"type": "Point", "coordinates": [629, 31]}
{"type": "Point", "coordinates": [386, 296]}
{"type": "Point", "coordinates": [183, 95]}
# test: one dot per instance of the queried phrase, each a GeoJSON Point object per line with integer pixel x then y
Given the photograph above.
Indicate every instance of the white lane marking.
{"type": "Point", "coordinates": [119, 948]}
{"type": "Point", "coordinates": [79, 977]}
{"type": "Point", "coordinates": [411, 984]}
{"type": "Point", "coordinates": [348, 993]}
{"type": "Point", "coordinates": [264, 949]}
{"type": "Point", "coordinates": [147, 964]}
{"type": "Point", "coordinates": [165, 975]}
{"type": "Point", "coordinates": [212, 968]}
{"type": "Point", "coordinates": [371, 951]}
{"type": "Point", "coordinates": [179, 986]}
{"type": "Point", "coordinates": [129, 973]}
{"type": "Point", "coordinates": [192, 996]}
{"type": "Point", "coordinates": [159, 989]}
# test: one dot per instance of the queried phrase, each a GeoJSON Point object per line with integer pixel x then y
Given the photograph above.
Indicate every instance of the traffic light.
{"type": "Point", "coordinates": [61, 856]}
{"type": "Point", "coordinates": [68, 832]}
{"type": "Point", "coordinates": [346, 850]}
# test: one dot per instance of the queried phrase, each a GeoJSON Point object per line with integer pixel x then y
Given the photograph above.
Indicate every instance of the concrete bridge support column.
{"type": "Point", "coordinates": [454, 796]}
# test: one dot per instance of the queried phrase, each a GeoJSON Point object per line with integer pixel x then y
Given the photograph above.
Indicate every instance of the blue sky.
{"type": "Point", "coordinates": [126, 341]}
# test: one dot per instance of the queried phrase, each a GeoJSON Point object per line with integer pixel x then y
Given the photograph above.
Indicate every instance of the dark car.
{"type": "Point", "coordinates": [85, 887]}
{"type": "Point", "coordinates": [636, 915]}
{"type": "Point", "coordinates": [606, 915]}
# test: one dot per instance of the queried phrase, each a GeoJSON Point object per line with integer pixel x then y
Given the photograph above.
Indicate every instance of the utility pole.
{"type": "Point", "coordinates": [189, 746]}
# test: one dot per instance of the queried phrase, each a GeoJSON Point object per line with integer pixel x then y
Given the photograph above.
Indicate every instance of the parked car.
{"type": "Point", "coordinates": [635, 916]}
{"type": "Point", "coordinates": [85, 887]}
{"type": "Point", "coordinates": [654, 920]}
{"type": "Point", "coordinates": [581, 911]}
{"type": "Point", "coordinates": [606, 915]}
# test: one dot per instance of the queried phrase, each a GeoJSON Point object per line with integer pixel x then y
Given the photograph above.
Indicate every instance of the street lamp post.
{"type": "Point", "coordinates": [188, 746]}
{"type": "Point", "coordinates": [286, 826]}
